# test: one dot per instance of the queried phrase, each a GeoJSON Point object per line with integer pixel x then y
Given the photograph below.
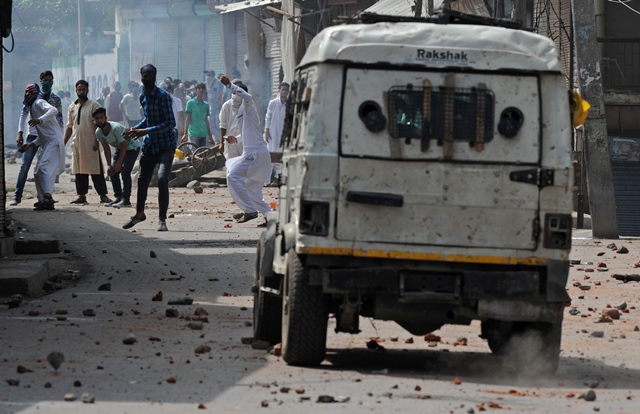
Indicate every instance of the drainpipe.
{"type": "Point", "coordinates": [599, 6]}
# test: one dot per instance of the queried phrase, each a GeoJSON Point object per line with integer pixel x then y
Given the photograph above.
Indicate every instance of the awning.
{"type": "Point", "coordinates": [400, 7]}
{"type": "Point", "coordinates": [241, 5]}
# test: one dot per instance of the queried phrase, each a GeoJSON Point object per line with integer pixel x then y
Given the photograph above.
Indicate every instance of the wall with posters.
{"type": "Point", "coordinates": [100, 70]}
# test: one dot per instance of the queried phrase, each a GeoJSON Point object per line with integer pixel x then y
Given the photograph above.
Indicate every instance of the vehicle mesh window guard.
{"type": "Point", "coordinates": [407, 105]}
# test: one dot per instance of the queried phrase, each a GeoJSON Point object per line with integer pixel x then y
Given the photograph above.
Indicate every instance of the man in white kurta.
{"type": "Point", "coordinates": [249, 172]}
{"type": "Point", "coordinates": [50, 161]}
{"type": "Point", "coordinates": [229, 125]}
{"type": "Point", "coordinates": [274, 124]}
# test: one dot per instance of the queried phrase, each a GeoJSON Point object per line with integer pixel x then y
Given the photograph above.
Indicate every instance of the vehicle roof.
{"type": "Point", "coordinates": [434, 45]}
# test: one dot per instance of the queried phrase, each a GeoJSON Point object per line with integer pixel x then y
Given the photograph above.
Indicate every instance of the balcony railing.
{"type": "Point", "coordinates": [620, 63]}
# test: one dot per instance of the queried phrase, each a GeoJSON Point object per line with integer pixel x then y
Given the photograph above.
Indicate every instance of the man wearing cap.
{"type": "Point", "coordinates": [158, 145]}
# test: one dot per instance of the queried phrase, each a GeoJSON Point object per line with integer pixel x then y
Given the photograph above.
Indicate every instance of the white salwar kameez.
{"type": "Point", "coordinates": [249, 172]}
{"type": "Point", "coordinates": [274, 122]}
{"type": "Point", "coordinates": [51, 157]}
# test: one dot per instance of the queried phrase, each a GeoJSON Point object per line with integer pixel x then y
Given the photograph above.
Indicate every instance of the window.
{"type": "Point", "coordinates": [428, 113]}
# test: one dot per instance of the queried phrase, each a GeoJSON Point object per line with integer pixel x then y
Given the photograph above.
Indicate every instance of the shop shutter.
{"type": "Point", "coordinates": [215, 51]}
{"type": "Point", "coordinates": [167, 56]}
{"type": "Point", "coordinates": [192, 49]}
{"type": "Point", "coordinates": [241, 43]}
{"type": "Point", "coordinates": [142, 46]}
{"type": "Point", "coordinates": [272, 54]}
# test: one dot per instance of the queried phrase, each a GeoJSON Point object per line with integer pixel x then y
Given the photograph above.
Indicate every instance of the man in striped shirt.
{"type": "Point", "coordinates": [158, 145]}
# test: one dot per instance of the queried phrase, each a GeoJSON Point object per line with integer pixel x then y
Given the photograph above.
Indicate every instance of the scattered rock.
{"type": "Point", "coordinates": [325, 399]}
{"type": "Point", "coordinates": [89, 312]}
{"type": "Point", "coordinates": [623, 250]}
{"type": "Point", "coordinates": [264, 403]}
{"type": "Point", "coordinates": [585, 287]}
{"type": "Point", "coordinates": [408, 341]}
{"type": "Point", "coordinates": [613, 313]}
{"type": "Point", "coordinates": [432, 338]}
{"type": "Point", "coordinates": [597, 334]}
{"type": "Point", "coordinates": [47, 385]}
{"type": "Point", "coordinates": [592, 384]}
{"type": "Point", "coordinates": [152, 254]}
{"type": "Point", "coordinates": [256, 344]}
{"type": "Point", "coordinates": [171, 313]}
{"type": "Point", "coordinates": [196, 326]}
{"type": "Point", "coordinates": [375, 346]}
{"type": "Point", "coordinates": [180, 301]}
{"type": "Point", "coordinates": [285, 390]}
{"type": "Point", "coordinates": [55, 359]}
{"type": "Point", "coordinates": [277, 350]}
{"type": "Point", "coordinates": [457, 381]}
{"type": "Point", "coordinates": [247, 340]}
{"type": "Point", "coordinates": [201, 312]}
{"type": "Point", "coordinates": [70, 397]}
{"type": "Point", "coordinates": [612, 246]}
{"type": "Point", "coordinates": [248, 323]}
{"type": "Point", "coordinates": [588, 395]}
{"type": "Point", "coordinates": [198, 190]}
{"type": "Point", "coordinates": [119, 312]}
{"type": "Point", "coordinates": [88, 398]}
{"type": "Point", "coordinates": [462, 341]}
{"type": "Point", "coordinates": [157, 297]}
{"type": "Point", "coordinates": [105, 286]}
{"type": "Point", "coordinates": [636, 328]}
{"type": "Point", "coordinates": [130, 339]}
{"type": "Point", "coordinates": [33, 313]}
{"type": "Point", "coordinates": [574, 312]}
{"type": "Point", "coordinates": [300, 390]}
{"type": "Point", "coordinates": [77, 383]}
{"type": "Point", "coordinates": [23, 370]}
{"type": "Point", "coordinates": [394, 339]}
{"type": "Point", "coordinates": [201, 349]}
{"type": "Point", "coordinates": [13, 382]}
{"type": "Point", "coordinates": [575, 261]}
{"type": "Point", "coordinates": [622, 305]}
{"type": "Point", "coordinates": [171, 380]}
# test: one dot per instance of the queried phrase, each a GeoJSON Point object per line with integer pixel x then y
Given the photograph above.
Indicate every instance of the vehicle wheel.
{"type": "Point", "coordinates": [531, 346]}
{"type": "Point", "coordinates": [267, 307]}
{"type": "Point", "coordinates": [304, 317]}
{"type": "Point", "coordinates": [188, 149]}
{"type": "Point", "coordinates": [204, 160]}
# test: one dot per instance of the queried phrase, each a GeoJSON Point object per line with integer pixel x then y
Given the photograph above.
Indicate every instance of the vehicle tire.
{"type": "Point", "coordinates": [304, 317]}
{"type": "Point", "coordinates": [531, 346]}
{"type": "Point", "coordinates": [267, 307]}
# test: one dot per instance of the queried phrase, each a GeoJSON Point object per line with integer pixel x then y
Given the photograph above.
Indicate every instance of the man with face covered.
{"type": "Point", "coordinates": [229, 125]}
{"type": "Point", "coordinates": [158, 145]}
{"type": "Point", "coordinates": [85, 149]}
{"type": "Point", "coordinates": [46, 83]}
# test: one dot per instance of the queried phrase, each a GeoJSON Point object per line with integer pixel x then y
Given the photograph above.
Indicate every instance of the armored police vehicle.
{"type": "Point", "coordinates": [426, 180]}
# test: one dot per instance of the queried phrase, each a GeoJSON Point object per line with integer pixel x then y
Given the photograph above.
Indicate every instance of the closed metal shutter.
{"type": "Point", "coordinates": [167, 50]}
{"type": "Point", "coordinates": [241, 44]}
{"type": "Point", "coordinates": [272, 54]}
{"type": "Point", "coordinates": [626, 188]}
{"type": "Point", "coordinates": [192, 49]}
{"type": "Point", "coordinates": [215, 51]}
{"type": "Point", "coordinates": [142, 46]}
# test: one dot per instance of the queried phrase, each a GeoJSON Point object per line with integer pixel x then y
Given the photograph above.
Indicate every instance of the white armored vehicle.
{"type": "Point", "coordinates": [426, 180]}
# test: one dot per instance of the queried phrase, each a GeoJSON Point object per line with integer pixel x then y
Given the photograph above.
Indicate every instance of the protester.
{"type": "Point", "coordinates": [249, 172]}
{"type": "Point", "coordinates": [229, 125]}
{"type": "Point", "coordinates": [85, 149]}
{"type": "Point", "coordinates": [273, 126]}
{"type": "Point", "coordinates": [158, 145]}
{"type": "Point", "coordinates": [215, 93]}
{"type": "Point", "coordinates": [112, 104]}
{"type": "Point", "coordinates": [110, 134]}
{"type": "Point", "coordinates": [43, 118]}
{"type": "Point", "coordinates": [178, 110]}
{"type": "Point", "coordinates": [196, 120]}
{"type": "Point", "coordinates": [46, 82]}
{"type": "Point", "coordinates": [104, 93]}
{"type": "Point", "coordinates": [130, 105]}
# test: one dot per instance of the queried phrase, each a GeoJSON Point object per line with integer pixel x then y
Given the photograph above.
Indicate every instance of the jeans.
{"type": "Point", "coordinates": [199, 141]}
{"type": "Point", "coordinates": [130, 158]}
{"type": "Point", "coordinates": [27, 158]}
{"type": "Point", "coordinates": [148, 164]}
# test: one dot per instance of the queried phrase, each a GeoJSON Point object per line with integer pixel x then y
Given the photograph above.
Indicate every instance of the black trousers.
{"type": "Point", "coordinates": [99, 183]}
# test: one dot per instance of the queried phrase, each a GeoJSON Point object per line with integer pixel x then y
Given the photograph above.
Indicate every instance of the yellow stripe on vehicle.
{"type": "Point", "coordinates": [436, 257]}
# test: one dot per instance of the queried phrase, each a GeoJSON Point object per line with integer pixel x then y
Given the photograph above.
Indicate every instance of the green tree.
{"type": "Point", "coordinates": [51, 26]}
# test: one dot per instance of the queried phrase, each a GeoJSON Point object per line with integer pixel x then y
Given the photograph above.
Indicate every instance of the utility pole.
{"type": "Point", "coordinates": [418, 12]}
{"type": "Point", "coordinates": [604, 220]}
{"type": "Point", "coordinates": [80, 34]}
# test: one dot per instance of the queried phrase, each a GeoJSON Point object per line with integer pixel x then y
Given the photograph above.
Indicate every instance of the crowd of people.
{"type": "Point", "coordinates": [146, 125]}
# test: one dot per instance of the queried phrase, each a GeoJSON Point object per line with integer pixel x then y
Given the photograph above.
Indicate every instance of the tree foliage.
{"type": "Point", "coordinates": [53, 25]}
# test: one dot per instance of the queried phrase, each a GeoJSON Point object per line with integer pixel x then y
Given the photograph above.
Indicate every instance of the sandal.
{"type": "Point", "coordinates": [134, 220]}
{"type": "Point", "coordinates": [247, 216]}
{"type": "Point", "coordinates": [237, 216]}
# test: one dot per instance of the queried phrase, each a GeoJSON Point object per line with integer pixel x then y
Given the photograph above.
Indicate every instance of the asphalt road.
{"type": "Point", "coordinates": [208, 258]}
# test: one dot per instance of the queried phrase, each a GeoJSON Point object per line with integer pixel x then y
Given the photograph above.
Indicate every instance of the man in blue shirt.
{"type": "Point", "coordinates": [158, 145]}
